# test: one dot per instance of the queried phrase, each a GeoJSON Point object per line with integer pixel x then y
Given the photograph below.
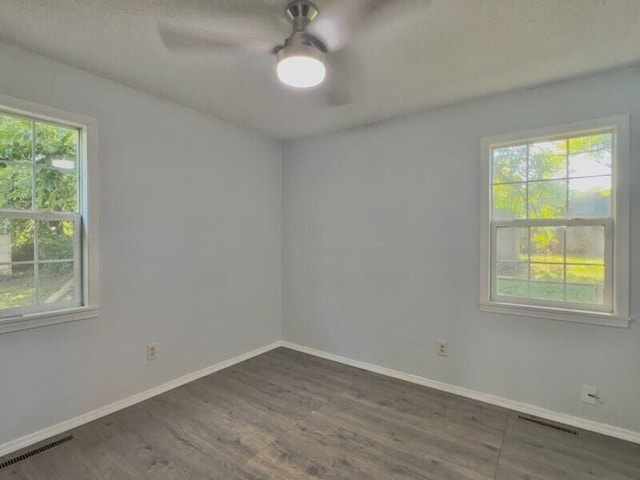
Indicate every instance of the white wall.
{"type": "Point", "coordinates": [377, 266]}
{"type": "Point", "coordinates": [190, 213]}
{"type": "Point", "coordinates": [381, 254]}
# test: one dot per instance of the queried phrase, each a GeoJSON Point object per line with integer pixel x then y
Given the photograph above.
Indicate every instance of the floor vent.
{"type": "Point", "coordinates": [544, 423]}
{"type": "Point", "coordinates": [35, 451]}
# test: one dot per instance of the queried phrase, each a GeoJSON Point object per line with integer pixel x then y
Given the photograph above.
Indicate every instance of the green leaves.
{"type": "Point", "coordinates": [29, 154]}
{"type": "Point", "coordinates": [15, 139]}
{"type": "Point", "coordinates": [21, 158]}
{"type": "Point", "coordinates": [548, 199]}
{"type": "Point", "coordinates": [15, 186]}
{"type": "Point", "coordinates": [566, 178]}
{"type": "Point", "coordinates": [56, 190]}
{"type": "Point", "coordinates": [510, 164]}
{"type": "Point", "coordinates": [555, 180]}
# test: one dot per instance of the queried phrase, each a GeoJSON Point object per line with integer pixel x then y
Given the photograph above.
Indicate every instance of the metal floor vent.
{"type": "Point", "coordinates": [35, 451]}
{"type": "Point", "coordinates": [544, 423]}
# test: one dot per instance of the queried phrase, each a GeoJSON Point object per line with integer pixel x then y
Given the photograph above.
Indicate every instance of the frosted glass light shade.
{"type": "Point", "coordinates": [301, 71]}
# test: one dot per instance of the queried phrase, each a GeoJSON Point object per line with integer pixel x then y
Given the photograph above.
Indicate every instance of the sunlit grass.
{"type": "Point", "coordinates": [570, 259]}
{"type": "Point", "coordinates": [18, 290]}
{"type": "Point", "coordinates": [579, 269]}
{"type": "Point", "coordinates": [578, 293]}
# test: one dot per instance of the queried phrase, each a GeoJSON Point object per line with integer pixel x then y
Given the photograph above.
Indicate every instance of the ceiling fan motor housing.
{"type": "Point", "coordinates": [301, 60]}
{"type": "Point", "coordinates": [300, 13]}
{"type": "Point", "coordinates": [301, 44]}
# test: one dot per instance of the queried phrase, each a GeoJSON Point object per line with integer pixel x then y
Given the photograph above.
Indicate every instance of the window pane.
{"type": "Point", "coordinates": [56, 282]}
{"type": "Point", "coordinates": [16, 240]}
{"type": "Point", "coordinates": [56, 160]}
{"type": "Point", "coordinates": [547, 244]}
{"type": "Point", "coordinates": [590, 155]}
{"type": "Point", "coordinates": [510, 164]}
{"type": "Point", "coordinates": [55, 240]}
{"type": "Point", "coordinates": [16, 286]}
{"type": "Point", "coordinates": [548, 199]}
{"type": "Point", "coordinates": [56, 190]}
{"type": "Point", "coordinates": [590, 197]}
{"type": "Point", "coordinates": [56, 146]}
{"type": "Point", "coordinates": [512, 244]}
{"type": "Point", "coordinates": [15, 185]}
{"type": "Point", "coordinates": [548, 160]}
{"type": "Point", "coordinates": [590, 274]}
{"type": "Point", "coordinates": [601, 141]}
{"type": "Point", "coordinates": [513, 279]}
{"type": "Point", "coordinates": [585, 245]}
{"type": "Point", "coordinates": [15, 139]}
{"type": "Point", "coordinates": [585, 283]}
{"type": "Point", "coordinates": [509, 201]}
{"type": "Point", "coordinates": [15, 162]}
{"type": "Point", "coordinates": [588, 164]}
{"type": "Point", "coordinates": [547, 281]}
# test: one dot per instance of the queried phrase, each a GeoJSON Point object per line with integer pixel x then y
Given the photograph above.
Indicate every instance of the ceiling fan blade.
{"type": "Point", "coordinates": [339, 22]}
{"type": "Point", "coordinates": [185, 40]}
{"type": "Point", "coordinates": [344, 77]}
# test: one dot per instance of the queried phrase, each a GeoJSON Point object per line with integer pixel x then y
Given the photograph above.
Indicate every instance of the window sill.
{"type": "Point", "coordinates": [37, 320]}
{"type": "Point", "coordinates": [592, 318]}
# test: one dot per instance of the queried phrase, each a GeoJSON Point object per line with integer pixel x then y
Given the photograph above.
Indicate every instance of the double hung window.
{"type": "Point", "coordinates": [555, 222]}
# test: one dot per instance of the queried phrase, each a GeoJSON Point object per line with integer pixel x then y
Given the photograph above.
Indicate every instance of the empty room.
{"type": "Point", "coordinates": [327, 239]}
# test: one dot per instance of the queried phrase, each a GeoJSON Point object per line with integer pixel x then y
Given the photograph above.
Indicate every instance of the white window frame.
{"type": "Point", "coordinates": [615, 311]}
{"type": "Point", "coordinates": [86, 257]}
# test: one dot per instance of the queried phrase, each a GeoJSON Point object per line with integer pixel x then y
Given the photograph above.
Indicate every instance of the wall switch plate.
{"type": "Point", "coordinates": [152, 351]}
{"type": "Point", "coordinates": [442, 348]}
{"type": "Point", "coordinates": [589, 394]}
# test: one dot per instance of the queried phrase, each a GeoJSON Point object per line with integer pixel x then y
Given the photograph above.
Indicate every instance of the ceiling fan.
{"type": "Point", "coordinates": [318, 48]}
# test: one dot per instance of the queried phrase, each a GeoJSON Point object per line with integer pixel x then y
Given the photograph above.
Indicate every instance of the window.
{"type": "Point", "coordinates": [47, 238]}
{"type": "Point", "coordinates": [555, 222]}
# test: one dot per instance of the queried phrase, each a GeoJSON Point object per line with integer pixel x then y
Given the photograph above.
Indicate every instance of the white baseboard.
{"type": "Point", "coordinates": [526, 408]}
{"type": "Point", "coordinates": [66, 425]}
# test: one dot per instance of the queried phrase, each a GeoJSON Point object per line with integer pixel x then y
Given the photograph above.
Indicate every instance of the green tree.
{"type": "Point", "coordinates": [38, 171]}
{"type": "Point", "coordinates": [531, 180]}
{"type": "Point", "coordinates": [551, 180]}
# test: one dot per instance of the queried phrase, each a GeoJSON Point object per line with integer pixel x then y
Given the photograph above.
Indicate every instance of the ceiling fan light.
{"type": "Point", "coordinates": [301, 71]}
{"type": "Point", "coordinates": [301, 62]}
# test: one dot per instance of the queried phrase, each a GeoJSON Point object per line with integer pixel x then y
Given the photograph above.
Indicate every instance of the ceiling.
{"type": "Point", "coordinates": [438, 53]}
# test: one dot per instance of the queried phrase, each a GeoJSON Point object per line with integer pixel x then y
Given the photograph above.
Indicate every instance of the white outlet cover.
{"type": "Point", "coordinates": [443, 348]}
{"type": "Point", "coordinates": [152, 351]}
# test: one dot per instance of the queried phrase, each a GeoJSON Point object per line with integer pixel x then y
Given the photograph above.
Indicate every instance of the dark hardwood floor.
{"type": "Point", "coordinates": [287, 415]}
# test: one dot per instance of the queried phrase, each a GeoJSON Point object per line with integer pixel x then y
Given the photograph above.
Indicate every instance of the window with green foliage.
{"type": "Point", "coordinates": [556, 233]}
{"type": "Point", "coordinates": [40, 215]}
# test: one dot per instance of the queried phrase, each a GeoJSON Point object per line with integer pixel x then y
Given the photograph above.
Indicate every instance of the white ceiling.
{"type": "Point", "coordinates": [443, 52]}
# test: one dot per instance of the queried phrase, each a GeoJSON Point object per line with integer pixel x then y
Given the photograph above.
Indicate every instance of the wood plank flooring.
{"type": "Point", "coordinates": [287, 415]}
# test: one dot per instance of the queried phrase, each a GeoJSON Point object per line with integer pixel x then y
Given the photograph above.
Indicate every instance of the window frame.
{"type": "Point", "coordinates": [87, 235]}
{"type": "Point", "coordinates": [615, 312]}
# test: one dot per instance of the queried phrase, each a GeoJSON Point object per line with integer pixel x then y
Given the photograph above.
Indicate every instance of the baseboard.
{"type": "Point", "coordinates": [62, 427]}
{"type": "Point", "coordinates": [529, 409]}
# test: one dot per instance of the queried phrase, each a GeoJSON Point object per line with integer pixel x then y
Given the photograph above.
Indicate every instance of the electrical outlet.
{"type": "Point", "coordinates": [443, 348]}
{"type": "Point", "coordinates": [152, 351]}
{"type": "Point", "coordinates": [589, 394]}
